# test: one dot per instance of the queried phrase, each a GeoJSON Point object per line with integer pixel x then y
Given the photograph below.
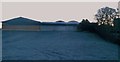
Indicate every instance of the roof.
{"type": "Point", "coordinates": [21, 21]}
{"type": "Point", "coordinates": [26, 21]}
{"type": "Point", "coordinates": [58, 23]}
{"type": "Point", "coordinates": [73, 22]}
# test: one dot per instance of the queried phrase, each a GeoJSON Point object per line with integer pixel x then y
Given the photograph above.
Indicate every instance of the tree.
{"type": "Point", "coordinates": [105, 16]}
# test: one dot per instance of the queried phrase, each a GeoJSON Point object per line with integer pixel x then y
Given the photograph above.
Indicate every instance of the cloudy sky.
{"type": "Point", "coordinates": [52, 11]}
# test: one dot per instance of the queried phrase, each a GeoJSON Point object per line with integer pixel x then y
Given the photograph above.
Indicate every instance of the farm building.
{"type": "Point", "coordinates": [31, 25]}
{"type": "Point", "coordinates": [58, 26]}
{"type": "Point", "coordinates": [21, 23]}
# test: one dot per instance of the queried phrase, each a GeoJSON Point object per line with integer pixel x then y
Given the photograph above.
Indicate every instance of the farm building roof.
{"type": "Point", "coordinates": [21, 21]}
{"type": "Point", "coordinates": [26, 21]}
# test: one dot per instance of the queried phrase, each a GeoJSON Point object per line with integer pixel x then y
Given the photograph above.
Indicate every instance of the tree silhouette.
{"type": "Point", "coordinates": [106, 16]}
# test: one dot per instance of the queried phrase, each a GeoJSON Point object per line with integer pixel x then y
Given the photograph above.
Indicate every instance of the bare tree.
{"type": "Point", "coordinates": [106, 16]}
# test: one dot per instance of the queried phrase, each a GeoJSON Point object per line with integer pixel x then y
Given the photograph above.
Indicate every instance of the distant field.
{"type": "Point", "coordinates": [24, 45]}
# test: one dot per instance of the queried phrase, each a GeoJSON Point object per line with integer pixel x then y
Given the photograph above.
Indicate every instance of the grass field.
{"type": "Point", "coordinates": [25, 45]}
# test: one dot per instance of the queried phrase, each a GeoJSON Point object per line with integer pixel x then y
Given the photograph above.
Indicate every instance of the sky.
{"type": "Point", "coordinates": [45, 11]}
{"type": "Point", "coordinates": [59, 0]}
{"type": "Point", "coordinates": [53, 11]}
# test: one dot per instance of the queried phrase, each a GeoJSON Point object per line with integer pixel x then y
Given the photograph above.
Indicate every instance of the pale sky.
{"type": "Point", "coordinates": [59, 0]}
{"type": "Point", "coordinates": [53, 11]}
{"type": "Point", "coordinates": [0, 14]}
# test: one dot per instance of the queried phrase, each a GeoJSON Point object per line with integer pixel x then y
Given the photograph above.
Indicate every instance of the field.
{"type": "Point", "coordinates": [46, 45]}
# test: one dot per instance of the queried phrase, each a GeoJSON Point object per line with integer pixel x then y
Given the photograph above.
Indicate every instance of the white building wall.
{"type": "Point", "coordinates": [58, 28]}
{"type": "Point", "coordinates": [42, 28]}
{"type": "Point", "coordinates": [23, 28]}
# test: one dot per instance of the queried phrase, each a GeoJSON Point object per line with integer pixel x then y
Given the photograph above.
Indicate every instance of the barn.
{"type": "Point", "coordinates": [21, 23]}
{"type": "Point", "coordinates": [58, 26]}
{"type": "Point", "coordinates": [26, 24]}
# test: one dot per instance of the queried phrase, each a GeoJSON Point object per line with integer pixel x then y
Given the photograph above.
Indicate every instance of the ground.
{"type": "Point", "coordinates": [28, 45]}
